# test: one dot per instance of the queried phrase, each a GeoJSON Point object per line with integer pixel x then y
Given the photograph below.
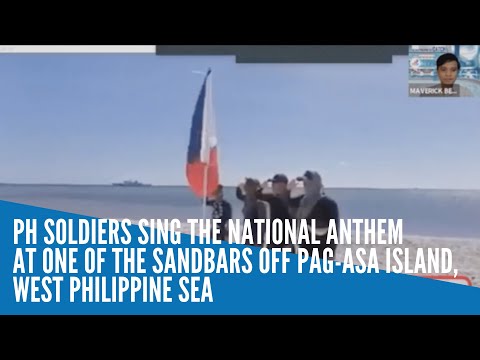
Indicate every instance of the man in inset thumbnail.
{"type": "Point", "coordinates": [448, 68]}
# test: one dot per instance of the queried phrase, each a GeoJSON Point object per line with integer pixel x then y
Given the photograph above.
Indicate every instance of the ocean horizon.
{"type": "Point", "coordinates": [234, 186]}
{"type": "Point", "coordinates": [425, 212]}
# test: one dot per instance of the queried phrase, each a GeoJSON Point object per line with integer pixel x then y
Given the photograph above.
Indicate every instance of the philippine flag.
{"type": "Point", "coordinates": [202, 158]}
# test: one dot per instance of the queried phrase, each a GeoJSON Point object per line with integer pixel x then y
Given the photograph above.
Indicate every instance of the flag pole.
{"type": "Point", "coordinates": [205, 181]}
{"type": "Point", "coordinates": [205, 171]}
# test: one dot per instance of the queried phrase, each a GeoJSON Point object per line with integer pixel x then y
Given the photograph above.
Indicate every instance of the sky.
{"type": "Point", "coordinates": [103, 118]}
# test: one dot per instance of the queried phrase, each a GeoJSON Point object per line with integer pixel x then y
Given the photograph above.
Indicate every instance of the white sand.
{"type": "Point", "coordinates": [465, 252]}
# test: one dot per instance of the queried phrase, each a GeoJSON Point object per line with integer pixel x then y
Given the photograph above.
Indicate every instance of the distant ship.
{"type": "Point", "coordinates": [132, 183]}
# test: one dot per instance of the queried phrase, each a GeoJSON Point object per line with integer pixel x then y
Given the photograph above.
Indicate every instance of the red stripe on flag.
{"type": "Point", "coordinates": [196, 175]}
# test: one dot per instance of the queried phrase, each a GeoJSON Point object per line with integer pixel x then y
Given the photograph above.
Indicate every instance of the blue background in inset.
{"type": "Point", "coordinates": [468, 55]}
